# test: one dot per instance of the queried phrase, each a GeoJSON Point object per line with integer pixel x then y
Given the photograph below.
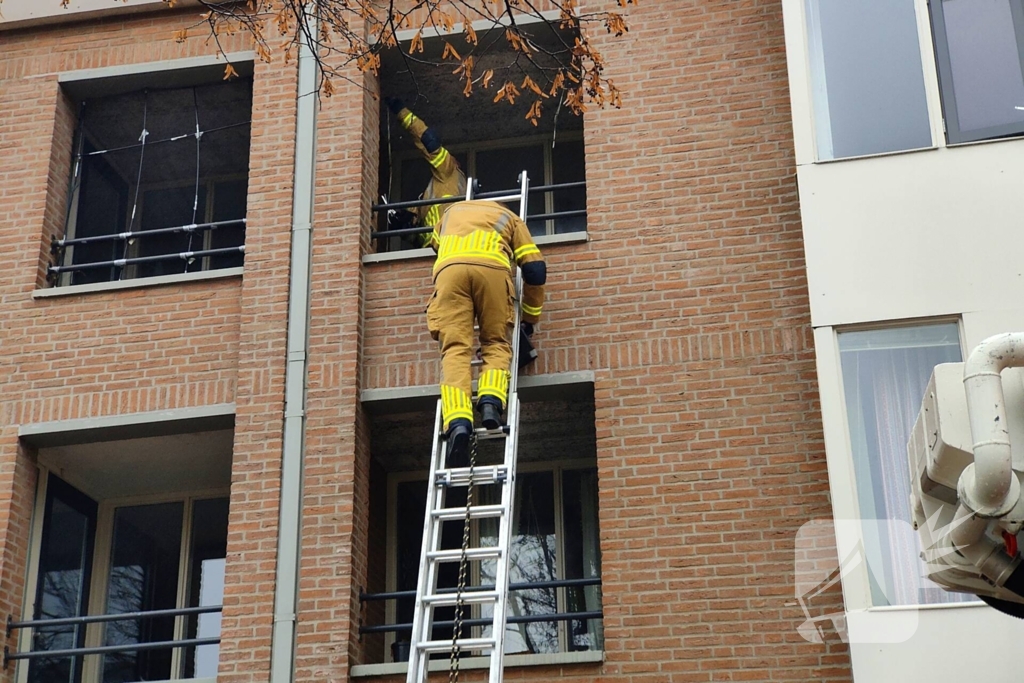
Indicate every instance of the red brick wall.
{"type": "Point", "coordinates": [146, 349]}
{"type": "Point", "coordinates": [689, 303]}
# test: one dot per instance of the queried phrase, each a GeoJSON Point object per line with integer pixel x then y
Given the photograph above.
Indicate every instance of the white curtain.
{"type": "Point", "coordinates": [885, 373]}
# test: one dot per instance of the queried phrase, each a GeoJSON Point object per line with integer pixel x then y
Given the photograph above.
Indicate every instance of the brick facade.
{"type": "Point", "coordinates": [688, 303]}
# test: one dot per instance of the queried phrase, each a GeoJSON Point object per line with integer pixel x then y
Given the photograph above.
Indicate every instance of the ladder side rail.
{"type": "Point", "coordinates": [506, 528]}
{"type": "Point", "coordinates": [427, 576]}
{"type": "Point", "coordinates": [508, 493]}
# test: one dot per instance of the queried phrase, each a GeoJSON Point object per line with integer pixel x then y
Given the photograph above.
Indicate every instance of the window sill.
{"type": "Point", "coordinates": [135, 284]}
{"type": "Point", "coordinates": [409, 254]}
{"type": "Point", "coordinates": [938, 606]}
{"type": "Point", "coordinates": [895, 152]}
{"type": "Point", "coordinates": [586, 657]}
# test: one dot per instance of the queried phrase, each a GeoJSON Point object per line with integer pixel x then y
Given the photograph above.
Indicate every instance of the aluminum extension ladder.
{"type": "Point", "coordinates": [439, 481]}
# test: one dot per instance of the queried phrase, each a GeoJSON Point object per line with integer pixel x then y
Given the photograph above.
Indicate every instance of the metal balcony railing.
{"type": "Point", "coordinates": [405, 232]}
{"type": "Point", "coordinates": [511, 619]}
{"type": "Point", "coordinates": [58, 247]}
{"type": "Point", "coordinates": [106, 649]}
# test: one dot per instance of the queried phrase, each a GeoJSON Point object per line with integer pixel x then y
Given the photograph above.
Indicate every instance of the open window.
{"type": "Point", "coordinates": [159, 177]}
{"type": "Point", "coordinates": [492, 142]}
{"type": "Point", "coordinates": [555, 602]}
{"type": "Point", "coordinates": [136, 527]}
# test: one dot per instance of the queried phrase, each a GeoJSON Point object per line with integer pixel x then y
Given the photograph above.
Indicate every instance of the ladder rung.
{"type": "Point", "coordinates": [476, 362]}
{"type": "Point", "coordinates": [468, 598]}
{"type": "Point", "coordinates": [459, 476]}
{"type": "Point", "coordinates": [488, 434]}
{"type": "Point", "coordinates": [455, 554]}
{"type": "Point", "coordinates": [506, 198]}
{"type": "Point", "coordinates": [464, 643]}
{"type": "Point", "coordinates": [475, 512]}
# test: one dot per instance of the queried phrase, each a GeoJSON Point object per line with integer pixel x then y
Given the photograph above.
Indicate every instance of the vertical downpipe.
{"type": "Point", "coordinates": [282, 644]}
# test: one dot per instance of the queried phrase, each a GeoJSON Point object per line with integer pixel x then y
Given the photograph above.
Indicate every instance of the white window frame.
{"type": "Point", "coordinates": [810, 143]}
{"type": "Point", "coordinates": [840, 458]}
{"type": "Point", "coordinates": [391, 581]}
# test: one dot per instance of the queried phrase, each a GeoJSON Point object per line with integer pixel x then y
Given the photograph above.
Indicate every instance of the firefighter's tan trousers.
{"type": "Point", "coordinates": [463, 293]}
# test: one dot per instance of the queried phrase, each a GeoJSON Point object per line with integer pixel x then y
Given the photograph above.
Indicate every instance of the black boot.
{"type": "Point", "coordinates": [490, 412]}
{"type": "Point", "coordinates": [458, 435]}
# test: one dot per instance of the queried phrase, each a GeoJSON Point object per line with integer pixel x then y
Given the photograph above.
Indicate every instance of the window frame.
{"type": "Point", "coordinates": [123, 80]}
{"type": "Point", "coordinates": [947, 89]}
{"type": "Point", "coordinates": [470, 149]}
{"type": "Point", "coordinates": [843, 480]}
{"type": "Point", "coordinates": [556, 467]}
{"type": "Point", "coordinates": [99, 572]}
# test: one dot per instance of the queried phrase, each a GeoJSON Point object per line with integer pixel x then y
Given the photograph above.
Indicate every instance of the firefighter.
{"type": "Point", "coordinates": [478, 244]}
{"type": "Point", "coordinates": [447, 179]}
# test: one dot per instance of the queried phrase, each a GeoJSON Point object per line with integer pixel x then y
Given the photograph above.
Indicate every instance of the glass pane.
{"type": "Point", "coordinates": [102, 210]}
{"type": "Point", "coordinates": [534, 557]}
{"type": "Point", "coordinates": [582, 556]}
{"type": "Point", "coordinates": [229, 200]}
{"type": "Point", "coordinates": [499, 169]}
{"type": "Point", "coordinates": [868, 84]}
{"type": "Point", "coordinates": [985, 59]}
{"type": "Point", "coordinates": [567, 163]}
{"type": "Point", "coordinates": [143, 577]}
{"type": "Point", "coordinates": [64, 563]}
{"type": "Point", "coordinates": [885, 373]}
{"type": "Point", "coordinates": [206, 582]}
{"type": "Point", "coordinates": [167, 208]}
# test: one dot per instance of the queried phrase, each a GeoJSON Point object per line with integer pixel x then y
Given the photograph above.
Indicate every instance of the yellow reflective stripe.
{"type": "Point", "coordinates": [525, 250]}
{"type": "Point", "coordinates": [408, 119]}
{"type": "Point", "coordinates": [531, 310]}
{"type": "Point", "coordinates": [479, 244]}
{"type": "Point", "coordinates": [433, 216]}
{"type": "Point", "coordinates": [455, 404]}
{"type": "Point", "coordinates": [494, 383]}
{"type": "Point", "coordinates": [439, 158]}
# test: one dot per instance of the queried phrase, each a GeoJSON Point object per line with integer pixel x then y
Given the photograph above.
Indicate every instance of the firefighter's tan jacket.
{"type": "Point", "coordinates": [447, 179]}
{"type": "Point", "coordinates": [485, 233]}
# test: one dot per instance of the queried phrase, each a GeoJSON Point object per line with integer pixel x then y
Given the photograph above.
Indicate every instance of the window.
{"type": "Point", "coordinates": [492, 142]}
{"type": "Point", "coordinates": [867, 79]}
{"type": "Point", "coordinates": [114, 544]}
{"type": "Point", "coordinates": [885, 372]}
{"type": "Point", "coordinates": [159, 181]}
{"type": "Point", "coordinates": [555, 535]}
{"type": "Point", "coordinates": [555, 538]}
{"type": "Point", "coordinates": [496, 166]}
{"type": "Point", "coordinates": [979, 50]}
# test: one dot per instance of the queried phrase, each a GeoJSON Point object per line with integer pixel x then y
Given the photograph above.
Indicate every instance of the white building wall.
{"type": "Point", "coordinates": [888, 238]}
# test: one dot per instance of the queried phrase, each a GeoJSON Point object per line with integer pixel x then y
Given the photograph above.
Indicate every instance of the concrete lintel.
{"type": "Point", "coordinates": [129, 425]}
{"type": "Point", "coordinates": [168, 73]}
{"type": "Point", "coordinates": [532, 388]}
